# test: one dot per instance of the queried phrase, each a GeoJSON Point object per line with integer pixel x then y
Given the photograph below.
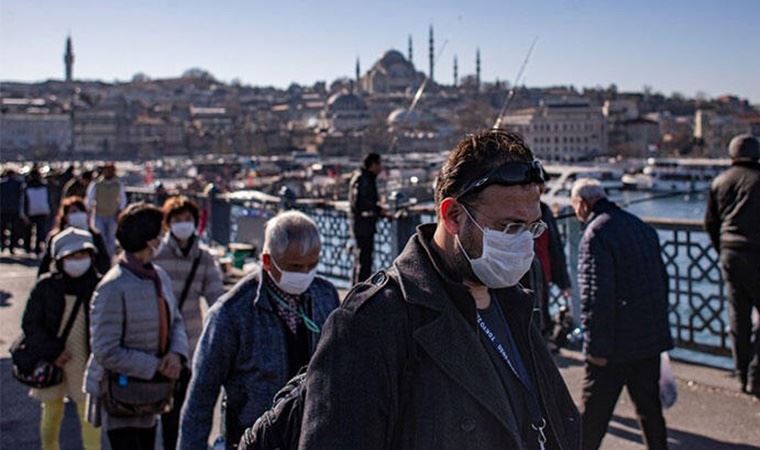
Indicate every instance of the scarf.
{"type": "Point", "coordinates": [288, 315]}
{"type": "Point", "coordinates": [148, 272]}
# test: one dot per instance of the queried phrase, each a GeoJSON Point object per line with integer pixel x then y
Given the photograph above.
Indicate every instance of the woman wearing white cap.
{"type": "Point", "coordinates": [56, 326]}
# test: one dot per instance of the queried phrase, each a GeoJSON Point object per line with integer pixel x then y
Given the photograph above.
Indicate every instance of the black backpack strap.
{"type": "Point", "coordinates": [410, 365]}
{"type": "Point", "coordinates": [188, 282]}
{"type": "Point", "coordinates": [72, 318]}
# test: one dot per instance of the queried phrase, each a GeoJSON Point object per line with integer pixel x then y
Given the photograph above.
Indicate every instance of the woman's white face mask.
{"type": "Point", "coordinates": [183, 230]}
{"type": "Point", "coordinates": [77, 267]}
{"type": "Point", "coordinates": [505, 258]}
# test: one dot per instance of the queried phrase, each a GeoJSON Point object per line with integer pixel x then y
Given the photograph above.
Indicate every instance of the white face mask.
{"type": "Point", "coordinates": [75, 268]}
{"type": "Point", "coordinates": [78, 220]}
{"type": "Point", "coordinates": [294, 283]}
{"type": "Point", "coordinates": [505, 258]}
{"type": "Point", "coordinates": [183, 230]}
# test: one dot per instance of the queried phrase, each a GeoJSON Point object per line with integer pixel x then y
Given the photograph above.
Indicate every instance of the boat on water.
{"type": "Point", "coordinates": [676, 174]}
{"type": "Point", "coordinates": [562, 177]}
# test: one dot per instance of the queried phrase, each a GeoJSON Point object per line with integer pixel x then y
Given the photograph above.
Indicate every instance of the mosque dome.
{"type": "Point", "coordinates": [346, 101]}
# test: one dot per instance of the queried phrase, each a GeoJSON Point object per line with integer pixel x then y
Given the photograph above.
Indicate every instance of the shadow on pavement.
{"type": "Point", "coordinates": [677, 439]}
{"type": "Point", "coordinates": [4, 297]}
{"type": "Point", "coordinates": [28, 261]}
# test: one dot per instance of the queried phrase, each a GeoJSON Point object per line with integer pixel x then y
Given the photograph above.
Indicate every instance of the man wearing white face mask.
{"type": "Point", "coordinates": [260, 334]}
{"type": "Point", "coordinates": [442, 350]}
{"type": "Point", "coordinates": [195, 274]}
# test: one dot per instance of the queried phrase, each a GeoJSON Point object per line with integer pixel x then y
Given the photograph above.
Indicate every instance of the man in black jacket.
{"type": "Point", "coordinates": [624, 312]}
{"type": "Point", "coordinates": [439, 352]}
{"type": "Point", "coordinates": [365, 210]}
{"type": "Point", "coordinates": [733, 222]}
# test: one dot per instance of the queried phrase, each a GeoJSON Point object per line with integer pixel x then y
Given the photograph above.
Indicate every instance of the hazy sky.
{"type": "Point", "coordinates": [683, 45]}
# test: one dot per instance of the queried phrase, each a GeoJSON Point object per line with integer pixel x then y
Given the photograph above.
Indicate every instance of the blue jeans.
{"type": "Point", "coordinates": [107, 228]}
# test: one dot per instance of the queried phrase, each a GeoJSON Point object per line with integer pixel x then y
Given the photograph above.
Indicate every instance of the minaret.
{"type": "Point", "coordinates": [431, 54]}
{"type": "Point", "coordinates": [409, 53]}
{"type": "Point", "coordinates": [68, 59]}
{"type": "Point", "coordinates": [358, 71]}
{"type": "Point", "coordinates": [456, 71]}
{"type": "Point", "coordinates": [477, 70]}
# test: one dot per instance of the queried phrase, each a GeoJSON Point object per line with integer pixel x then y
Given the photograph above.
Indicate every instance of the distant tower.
{"type": "Point", "coordinates": [68, 58]}
{"type": "Point", "coordinates": [431, 54]}
{"type": "Point", "coordinates": [410, 54]}
{"type": "Point", "coordinates": [358, 71]}
{"type": "Point", "coordinates": [456, 71]}
{"type": "Point", "coordinates": [477, 70]}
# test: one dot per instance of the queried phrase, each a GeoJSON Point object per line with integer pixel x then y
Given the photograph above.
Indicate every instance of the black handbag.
{"type": "Point", "coordinates": [125, 396]}
{"type": "Point", "coordinates": [32, 371]}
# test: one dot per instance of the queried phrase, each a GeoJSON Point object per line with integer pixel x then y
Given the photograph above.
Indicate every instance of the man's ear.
{"type": "Point", "coordinates": [266, 262]}
{"type": "Point", "coordinates": [451, 212]}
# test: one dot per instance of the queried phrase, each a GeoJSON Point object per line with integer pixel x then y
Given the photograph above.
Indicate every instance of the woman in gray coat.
{"type": "Point", "coordinates": [136, 327]}
{"type": "Point", "coordinates": [194, 273]}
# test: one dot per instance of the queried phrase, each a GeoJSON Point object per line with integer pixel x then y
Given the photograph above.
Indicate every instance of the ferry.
{"type": "Point", "coordinates": [562, 177]}
{"type": "Point", "coordinates": [677, 174]}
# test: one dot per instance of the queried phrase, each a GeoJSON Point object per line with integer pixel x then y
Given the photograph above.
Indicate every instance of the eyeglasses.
{"type": "Point", "coordinates": [508, 174]}
{"type": "Point", "coordinates": [536, 228]}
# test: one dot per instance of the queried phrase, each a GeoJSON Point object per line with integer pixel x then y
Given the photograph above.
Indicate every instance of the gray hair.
{"type": "Point", "coordinates": [290, 228]}
{"type": "Point", "coordinates": [588, 189]}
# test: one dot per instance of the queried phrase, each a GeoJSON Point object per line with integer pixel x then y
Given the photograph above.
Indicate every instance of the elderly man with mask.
{"type": "Point", "coordinates": [624, 312]}
{"type": "Point", "coordinates": [260, 334]}
{"type": "Point", "coordinates": [442, 351]}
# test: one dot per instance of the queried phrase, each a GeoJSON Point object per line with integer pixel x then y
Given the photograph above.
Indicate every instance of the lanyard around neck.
{"type": "Point", "coordinates": [537, 420]}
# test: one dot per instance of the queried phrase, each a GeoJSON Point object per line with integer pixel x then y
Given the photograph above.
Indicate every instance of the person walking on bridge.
{"type": "Point", "coordinates": [624, 313]}
{"type": "Point", "coordinates": [365, 210]}
{"type": "Point", "coordinates": [105, 199]}
{"type": "Point", "coordinates": [732, 220]}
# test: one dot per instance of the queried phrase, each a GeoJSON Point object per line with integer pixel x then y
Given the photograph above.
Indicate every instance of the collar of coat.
{"type": "Point", "coordinates": [426, 280]}
{"type": "Point", "coordinates": [451, 338]}
{"type": "Point", "coordinates": [600, 207]}
{"type": "Point", "coordinates": [172, 246]}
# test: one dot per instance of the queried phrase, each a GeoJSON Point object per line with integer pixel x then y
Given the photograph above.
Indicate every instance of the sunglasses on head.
{"type": "Point", "coordinates": [508, 174]}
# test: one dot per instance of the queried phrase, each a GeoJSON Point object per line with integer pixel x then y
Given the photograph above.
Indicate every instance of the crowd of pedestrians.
{"type": "Point", "coordinates": [130, 318]}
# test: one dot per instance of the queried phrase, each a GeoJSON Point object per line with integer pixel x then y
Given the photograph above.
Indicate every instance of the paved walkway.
{"type": "Point", "coordinates": [710, 414]}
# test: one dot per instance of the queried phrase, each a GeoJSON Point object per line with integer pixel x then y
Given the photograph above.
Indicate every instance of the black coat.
{"type": "Point", "coordinates": [560, 276]}
{"type": "Point", "coordinates": [367, 390]}
{"type": "Point", "coordinates": [623, 285]}
{"type": "Point", "coordinates": [44, 310]}
{"type": "Point", "coordinates": [363, 201]}
{"type": "Point", "coordinates": [732, 218]}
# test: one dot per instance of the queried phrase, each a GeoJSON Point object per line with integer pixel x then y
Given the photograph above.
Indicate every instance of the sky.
{"type": "Point", "coordinates": [685, 46]}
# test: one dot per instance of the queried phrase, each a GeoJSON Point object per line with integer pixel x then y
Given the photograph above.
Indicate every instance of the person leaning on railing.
{"type": "Point", "coordinates": [194, 273]}
{"type": "Point", "coordinates": [138, 337]}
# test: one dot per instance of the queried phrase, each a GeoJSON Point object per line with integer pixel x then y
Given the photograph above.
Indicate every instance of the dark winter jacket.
{"type": "Point", "coordinates": [366, 389]}
{"type": "Point", "coordinates": [732, 218]}
{"type": "Point", "coordinates": [559, 276]}
{"type": "Point", "coordinates": [623, 285]}
{"type": "Point", "coordinates": [11, 196]}
{"type": "Point", "coordinates": [363, 200]}
{"type": "Point", "coordinates": [44, 310]}
{"type": "Point", "coordinates": [101, 260]}
{"type": "Point", "coordinates": [243, 349]}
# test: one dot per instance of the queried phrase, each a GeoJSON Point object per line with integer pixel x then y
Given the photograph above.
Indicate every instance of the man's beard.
{"type": "Point", "coordinates": [461, 264]}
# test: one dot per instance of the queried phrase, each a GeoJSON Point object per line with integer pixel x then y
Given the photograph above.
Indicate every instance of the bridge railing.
{"type": "Point", "coordinates": [698, 310]}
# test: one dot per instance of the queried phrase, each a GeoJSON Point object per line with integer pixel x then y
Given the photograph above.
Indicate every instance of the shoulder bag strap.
{"type": "Point", "coordinates": [189, 282]}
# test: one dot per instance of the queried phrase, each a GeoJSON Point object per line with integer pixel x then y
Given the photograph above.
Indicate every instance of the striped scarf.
{"type": "Point", "coordinates": [288, 315]}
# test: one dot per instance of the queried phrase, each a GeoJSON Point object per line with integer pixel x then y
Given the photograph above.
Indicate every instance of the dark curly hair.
{"type": "Point", "coordinates": [476, 155]}
{"type": "Point", "coordinates": [138, 224]}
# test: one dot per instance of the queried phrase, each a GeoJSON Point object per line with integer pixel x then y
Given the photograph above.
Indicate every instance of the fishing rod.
{"type": "Point", "coordinates": [513, 90]}
{"type": "Point", "coordinates": [635, 201]}
{"type": "Point", "coordinates": [417, 96]}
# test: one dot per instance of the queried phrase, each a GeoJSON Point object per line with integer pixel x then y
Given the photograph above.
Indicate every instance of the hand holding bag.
{"type": "Point", "coordinates": [125, 396]}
